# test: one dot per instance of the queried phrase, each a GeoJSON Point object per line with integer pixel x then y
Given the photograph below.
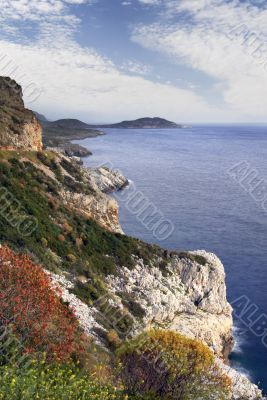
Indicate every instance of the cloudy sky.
{"type": "Point", "coordinates": [108, 60]}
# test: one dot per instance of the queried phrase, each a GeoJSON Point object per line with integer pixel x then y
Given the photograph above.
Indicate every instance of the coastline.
{"type": "Point", "coordinates": [237, 373]}
{"type": "Point", "coordinates": [61, 139]}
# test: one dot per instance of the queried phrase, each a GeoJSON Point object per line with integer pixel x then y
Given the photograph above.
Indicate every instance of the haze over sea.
{"type": "Point", "coordinates": [185, 174]}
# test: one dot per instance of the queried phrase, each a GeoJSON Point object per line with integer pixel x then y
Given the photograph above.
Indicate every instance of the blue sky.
{"type": "Point", "coordinates": [108, 60]}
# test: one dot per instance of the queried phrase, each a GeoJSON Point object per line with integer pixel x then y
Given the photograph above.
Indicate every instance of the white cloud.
{"type": "Point", "coordinates": [206, 42]}
{"type": "Point", "coordinates": [78, 82]}
{"type": "Point", "coordinates": [135, 67]}
{"type": "Point", "coordinates": [150, 2]}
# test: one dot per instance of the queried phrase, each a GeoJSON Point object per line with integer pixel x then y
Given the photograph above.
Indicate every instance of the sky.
{"type": "Point", "coordinates": [190, 61]}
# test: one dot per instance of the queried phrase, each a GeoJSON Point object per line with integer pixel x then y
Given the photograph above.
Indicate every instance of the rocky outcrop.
{"type": "Point", "coordinates": [19, 127]}
{"type": "Point", "coordinates": [71, 150]}
{"type": "Point", "coordinates": [97, 206]}
{"type": "Point", "coordinates": [243, 389]}
{"type": "Point", "coordinates": [190, 298]}
{"type": "Point", "coordinates": [84, 313]}
{"type": "Point", "coordinates": [83, 190]}
{"type": "Point", "coordinates": [108, 180]}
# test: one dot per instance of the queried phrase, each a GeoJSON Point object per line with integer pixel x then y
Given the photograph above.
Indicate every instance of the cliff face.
{"type": "Point", "coordinates": [19, 128]}
{"type": "Point", "coordinates": [190, 299]}
{"type": "Point", "coordinates": [86, 189]}
{"type": "Point", "coordinates": [102, 209]}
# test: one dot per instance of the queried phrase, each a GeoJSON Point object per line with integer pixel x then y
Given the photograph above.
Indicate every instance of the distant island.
{"type": "Point", "coordinates": [145, 123]}
{"type": "Point", "coordinates": [61, 132]}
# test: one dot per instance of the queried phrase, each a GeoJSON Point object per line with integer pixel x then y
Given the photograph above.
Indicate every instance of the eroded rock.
{"type": "Point", "coordinates": [19, 127]}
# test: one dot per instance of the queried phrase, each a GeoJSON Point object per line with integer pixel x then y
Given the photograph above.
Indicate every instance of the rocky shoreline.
{"type": "Point", "coordinates": [168, 302]}
{"type": "Point", "coordinates": [190, 300]}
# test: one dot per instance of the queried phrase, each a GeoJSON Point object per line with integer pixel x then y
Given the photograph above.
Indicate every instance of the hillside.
{"type": "Point", "coordinates": [69, 124]}
{"type": "Point", "coordinates": [96, 313]}
{"type": "Point", "coordinates": [60, 133]}
{"type": "Point", "coordinates": [145, 123]}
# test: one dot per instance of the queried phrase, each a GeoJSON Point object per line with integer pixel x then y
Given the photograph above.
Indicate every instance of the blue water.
{"type": "Point", "coordinates": [184, 173]}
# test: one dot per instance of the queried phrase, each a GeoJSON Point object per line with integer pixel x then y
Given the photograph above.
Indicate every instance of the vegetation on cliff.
{"type": "Point", "coordinates": [43, 353]}
{"type": "Point", "coordinates": [171, 366]}
{"type": "Point", "coordinates": [63, 238]}
{"type": "Point", "coordinates": [68, 242]}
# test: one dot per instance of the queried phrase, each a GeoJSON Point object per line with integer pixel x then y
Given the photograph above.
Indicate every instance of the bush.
{"type": "Point", "coordinates": [113, 339]}
{"type": "Point", "coordinates": [71, 258]}
{"type": "Point", "coordinates": [44, 242]}
{"type": "Point", "coordinates": [97, 251]}
{"type": "Point", "coordinates": [39, 319]}
{"type": "Point", "coordinates": [32, 378]}
{"type": "Point", "coordinates": [171, 366]}
{"type": "Point", "coordinates": [193, 257]}
{"type": "Point", "coordinates": [54, 382]}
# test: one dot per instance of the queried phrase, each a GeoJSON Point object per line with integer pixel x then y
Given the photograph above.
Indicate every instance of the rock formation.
{"type": "Point", "coordinates": [91, 199]}
{"type": "Point", "coordinates": [19, 127]}
{"type": "Point", "coordinates": [98, 207]}
{"type": "Point", "coordinates": [190, 298]}
{"type": "Point", "coordinates": [108, 180]}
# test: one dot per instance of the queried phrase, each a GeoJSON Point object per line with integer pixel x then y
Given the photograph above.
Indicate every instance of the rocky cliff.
{"type": "Point", "coordinates": [188, 297]}
{"type": "Point", "coordinates": [19, 127]}
{"type": "Point", "coordinates": [97, 205]}
{"type": "Point", "coordinates": [121, 283]}
{"type": "Point", "coordinates": [84, 189]}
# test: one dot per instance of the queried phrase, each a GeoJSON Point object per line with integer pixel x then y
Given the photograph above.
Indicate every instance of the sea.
{"type": "Point", "coordinates": [208, 186]}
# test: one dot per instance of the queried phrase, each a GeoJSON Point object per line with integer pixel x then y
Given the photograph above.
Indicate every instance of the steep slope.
{"type": "Point", "coordinates": [19, 127]}
{"type": "Point", "coordinates": [59, 213]}
{"type": "Point", "coordinates": [115, 283]}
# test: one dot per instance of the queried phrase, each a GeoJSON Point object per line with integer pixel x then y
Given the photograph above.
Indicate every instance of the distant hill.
{"type": "Point", "coordinates": [144, 123]}
{"type": "Point", "coordinates": [41, 117]}
{"type": "Point", "coordinates": [70, 124]}
{"type": "Point", "coordinates": [63, 131]}
{"type": "Point", "coordinates": [60, 133]}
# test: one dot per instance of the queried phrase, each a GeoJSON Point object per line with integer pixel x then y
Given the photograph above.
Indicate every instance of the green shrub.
{"type": "Point", "coordinates": [97, 252]}
{"type": "Point", "coordinates": [52, 382]}
{"type": "Point", "coordinates": [38, 380]}
{"type": "Point", "coordinates": [113, 339]}
{"type": "Point", "coordinates": [193, 257]}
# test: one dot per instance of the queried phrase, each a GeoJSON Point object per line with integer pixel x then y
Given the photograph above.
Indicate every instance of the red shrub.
{"type": "Point", "coordinates": [35, 311]}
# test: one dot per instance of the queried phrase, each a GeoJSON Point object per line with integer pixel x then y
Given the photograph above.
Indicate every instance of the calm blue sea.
{"type": "Point", "coordinates": [185, 174]}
